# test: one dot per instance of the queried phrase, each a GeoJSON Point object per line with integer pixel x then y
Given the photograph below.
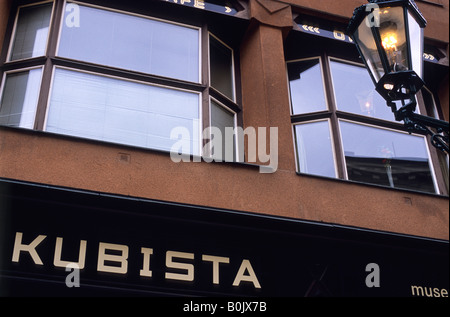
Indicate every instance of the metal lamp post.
{"type": "Point", "coordinates": [389, 37]}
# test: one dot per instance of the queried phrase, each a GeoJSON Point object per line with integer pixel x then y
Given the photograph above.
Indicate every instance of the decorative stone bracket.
{"type": "Point", "coordinates": [272, 13]}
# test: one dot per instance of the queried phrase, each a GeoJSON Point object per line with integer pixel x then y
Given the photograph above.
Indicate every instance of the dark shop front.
{"type": "Point", "coordinates": [64, 242]}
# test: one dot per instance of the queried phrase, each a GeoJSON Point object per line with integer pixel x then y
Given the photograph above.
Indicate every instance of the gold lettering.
{"type": "Point", "coordinates": [311, 29]}
{"type": "Point", "coordinates": [146, 265]}
{"type": "Point", "coordinates": [104, 257]}
{"type": "Point", "coordinates": [429, 57]}
{"type": "Point", "coordinates": [30, 248]}
{"type": "Point", "coordinates": [415, 290]}
{"type": "Point", "coordinates": [436, 292]}
{"type": "Point", "coordinates": [422, 291]}
{"type": "Point", "coordinates": [199, 4]}
{"type": "Point", "coordinates": [339, 35]}
{"type": "Point", "coordinates": [216, 261]}
{"type": "Point", "coordinates": [189, 268]}
{"type": "Point", "coordinates": [251, 277]}
{"type": "Point", "coordinates": [81, 257]}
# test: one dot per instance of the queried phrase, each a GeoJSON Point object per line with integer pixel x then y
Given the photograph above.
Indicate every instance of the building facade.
{"type": "Point", "coordinates": [116, 153]}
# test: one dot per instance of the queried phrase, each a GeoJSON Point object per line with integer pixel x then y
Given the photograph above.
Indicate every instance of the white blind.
{"type": "Point", "coordinates": [119, 111]}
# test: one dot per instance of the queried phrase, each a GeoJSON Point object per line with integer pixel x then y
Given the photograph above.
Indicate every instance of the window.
{"type": "Point", "coordinates": [111, 75]}
{"type": "Point", "coordinates": [20, 97]}
{"type": "Point", "coordinates": [120, 111]}
{"type": "Point", "coordinates": [385, 157]}
{"type": "Point", "coordinates": [223, 120]}
{"type": "Point", "coordinates": [221, 61]}
{"type": "Point", "coordinates": [222, 115]}
{"type": "Point", "coordinates": [354, 91]}
{"type": "Point", "coordinates": [307, 90]}
{"type": "Point", "coordinates": [31, 32]}
{"type": "Point", "coordinates": [343, 128]}
{"type": "Point", "coordinates": [314, 148]}
{"type": "Point", "coordinates": [132, 42]}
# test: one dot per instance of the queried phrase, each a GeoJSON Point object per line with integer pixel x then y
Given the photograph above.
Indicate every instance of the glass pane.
{"type": "Point", "coordinates": [30, 38]}
{"type": "Point", "coordinates": [222, 118]}
{"type": "Point", "coordinates": [355, 92]}
{"type": "Point", "coordinates": [393, 38]}
{"type": "Point", "coordinates": [19, 99]}
{"type": "Point", "coordinates": [369, 50]}
{"type": "Point", "coordinates": [388, 158]}
{"type": "Point", "coordinates": [314, 149]}
{"type": "Point", "coordinates": [118, 111]}
{"type": "Point", "coordinates": [416, 38]}
{"type": "Point", "coordinates": [307, 90]}
{"type": "Point", "coordinates": [221, 59]}
{"type": "Point", "coordinates": [131, 42]}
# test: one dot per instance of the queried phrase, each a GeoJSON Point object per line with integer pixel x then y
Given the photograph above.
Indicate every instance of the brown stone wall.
{"type": "Point", "coordinates": [60, 161]}
{"type": "Point", "coordinates": [5, 6]}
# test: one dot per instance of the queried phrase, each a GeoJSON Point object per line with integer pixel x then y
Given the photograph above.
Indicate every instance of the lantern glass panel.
{"type": "Point", "coordinates": [368, 48]}
{"type": "Point", "coordinates": [416, 43]}
{"type": "Point", "coordinates": [393, 38]}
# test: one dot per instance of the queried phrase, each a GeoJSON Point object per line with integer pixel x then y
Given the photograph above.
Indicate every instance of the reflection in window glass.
{"type": "Point", "coordinates": [30, 38]}
{"type": "Point", "coordinates": [355, 92]}
{"type": "Point", "coordinates": [19, 99]}
{"type": "Point", "coordinates": [119, 111]}
{"type": "Point", "coordinates": [388, 158]}
{"type": "Point", "coordinates": [131, 42]}
{"type": "Point", "coordinates": [222, 118]}
{"type": "Point", "coordinates": [314, 148]}
{"type": "Point", "coordinates": [306, 85]}
{"type": "Point", "coordinates": [221, 59]}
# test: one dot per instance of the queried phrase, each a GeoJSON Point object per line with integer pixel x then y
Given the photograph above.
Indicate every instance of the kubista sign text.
{"type": "Point", "coordinates": [113, 258]}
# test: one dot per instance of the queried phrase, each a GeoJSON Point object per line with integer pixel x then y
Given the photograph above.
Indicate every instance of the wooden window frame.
{"type": "Point", "coordinates": [52, 60]}
{"type": "Point", "coordinates": [334, 115]}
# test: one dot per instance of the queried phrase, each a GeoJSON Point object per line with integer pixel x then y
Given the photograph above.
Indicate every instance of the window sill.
{"type": "Point", "coordinates": [192, 158]}
{"type": "Point", "coordinates": [350, 182]}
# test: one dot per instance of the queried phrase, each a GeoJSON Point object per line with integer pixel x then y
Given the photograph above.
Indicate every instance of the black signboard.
{"type": "Point", "coordinates": [339, 35]}
{"type": "Point", "coordinates": [64, 242]}
{"type": "Point", "coordinates": [222, 7]}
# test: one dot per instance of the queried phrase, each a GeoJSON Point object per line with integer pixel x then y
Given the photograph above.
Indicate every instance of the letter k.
{"type": "Point", "coordinates": [31, 248]}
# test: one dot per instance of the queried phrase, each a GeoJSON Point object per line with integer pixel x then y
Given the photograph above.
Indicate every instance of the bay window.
{"type": "Point", "coordinates": [343, 128]}
{"type": "Point", "coordinates": [104, 73]}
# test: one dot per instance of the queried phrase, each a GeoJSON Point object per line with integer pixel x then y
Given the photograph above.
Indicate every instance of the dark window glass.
{"type": "Point", "coordinates": [31, 32]}
{"type": "Point", "coordinates": [19, 98]}
{"type": "Point", "coordinates": [384, 157]}
{"type": "Point", "coordinates": [221, 60]}
{"type": "Point", "coordinates": [222, 119]}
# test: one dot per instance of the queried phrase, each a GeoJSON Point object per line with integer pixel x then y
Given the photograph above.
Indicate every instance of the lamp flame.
{"type": "Point", "coordinates": [390, 41]}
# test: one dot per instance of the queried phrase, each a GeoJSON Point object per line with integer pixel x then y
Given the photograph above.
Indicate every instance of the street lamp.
{"type": "Point", "coordinates": [389, 38]}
